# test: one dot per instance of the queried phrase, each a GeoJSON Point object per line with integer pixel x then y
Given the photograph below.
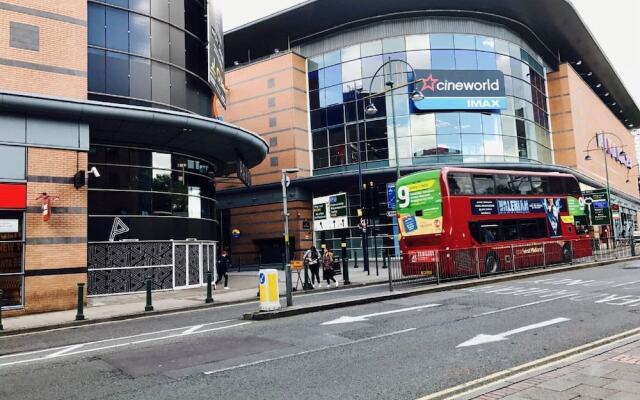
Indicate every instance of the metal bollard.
{"type": "Point", "coordinates": [389, 276]}
{"type": "Point", "coordinates": [385, 254]}
{"type": "Point", "coordinates": [149, 306]}
{"type": "Point", "coordinates": [209, 298]}
{"type": "Point", "coordinates": [633, 247]}
{"type": "Point", "coordinates": [355, 259]}
{"type": "Point", "coordinates": [1, 327]}
{"type": "Point", "coordinates": [80, 312]}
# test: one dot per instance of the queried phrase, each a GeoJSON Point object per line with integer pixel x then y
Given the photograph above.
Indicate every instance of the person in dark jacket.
{"type": "Point", "coordinates": [224, 263]}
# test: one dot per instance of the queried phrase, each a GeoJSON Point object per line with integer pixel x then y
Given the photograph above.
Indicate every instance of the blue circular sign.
{"type": "Point", "coordinates": [262, 278]}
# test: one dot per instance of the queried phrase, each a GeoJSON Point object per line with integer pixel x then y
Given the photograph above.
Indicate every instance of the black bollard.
{"type": "Point", "coordinates": [306, 285]}
{"type": "Point", "coordinates": [345, 264]}
{"type": "Point", "coordinates": [633, 246]}
{"type": "Point", "coordinates": [209, 298]}
{"type": "Point", "coordinates": [1, 327]}
{"type": "Point", "coordinates": [355, 259]}
{"type": "Point", "coordinates": [384, 259]}
{"type": "Point", "coordinates": [80, 312]}
{"type": "Point", "coordinates": [149, 306]}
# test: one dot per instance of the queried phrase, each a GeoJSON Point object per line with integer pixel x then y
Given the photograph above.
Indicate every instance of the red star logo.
{"type": "Point", "coordinates": [429, 83]}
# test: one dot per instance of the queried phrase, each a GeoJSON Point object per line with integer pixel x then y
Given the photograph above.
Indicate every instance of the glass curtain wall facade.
{"type": "Point", "coordinates": [149, 53]}
{"type": "Point", "coordinates": [162, 195]}
{"type": "Point", "coordinates": [519, 133]}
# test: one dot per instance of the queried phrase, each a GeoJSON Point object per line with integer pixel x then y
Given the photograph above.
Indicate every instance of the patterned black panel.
{"type": "Point", "coordinates": [194, 265]}
{"type": "Point", "coordinates": [181, 265]}
{"type": "Point", "coordinates": [129, 280]}
{"type": "Point", "coordinates": [133, 254]}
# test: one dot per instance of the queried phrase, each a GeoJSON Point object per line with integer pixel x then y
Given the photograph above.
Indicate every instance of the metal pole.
{"type": "Point", "coordinates": [606, 171]}
{"type": "Point", "coordinates": [1, 327]}
{"type": "Point", "coordinates": [209, 298]}
{"type": "Point", "coordinates": [80, 312]}
{"type": "Point", "coordinates": [355, 259]}
{"type": "Point", "coordinates": [148, 306]}
{"type": "Point", "coordinates": [345, 263]}
{"type": "Point", "coordinates": [390, 277]}
{"type": "Point", "coordinates": [365, 239]}
{"type": "Point", "coordinates": [375, 234]}
{"type": "Point", "coordinates": [287, 265]}
{"type": "Point", "coordinates": [390, 83]}
{"type": "Point", "coordinates": [365, 242]}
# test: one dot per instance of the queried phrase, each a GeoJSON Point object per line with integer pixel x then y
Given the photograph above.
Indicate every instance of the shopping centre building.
{"type": "Point", "coordinates": [511, 85]}
{"type": "Point", "coordinates": [109, 155]}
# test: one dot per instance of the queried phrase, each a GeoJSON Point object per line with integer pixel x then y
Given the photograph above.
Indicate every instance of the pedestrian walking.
{"type": "Point", "coordinates": [312, 259]}
{"type": "Point", "coordinates": [224, 263]}
{"type": "Point", "coordinates": [327, 264]}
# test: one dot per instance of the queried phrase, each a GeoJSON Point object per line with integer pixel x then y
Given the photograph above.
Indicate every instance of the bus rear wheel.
{"type": "Point", "coordinates": [491, 263]}
{"type": "Point", "coordinates": [566, 253]}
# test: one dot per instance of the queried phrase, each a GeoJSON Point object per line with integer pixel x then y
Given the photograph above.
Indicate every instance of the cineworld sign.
{"type": "Point", "coordinates": [460, 90]}
{"type": "Point", "coordinates": [615, 152]}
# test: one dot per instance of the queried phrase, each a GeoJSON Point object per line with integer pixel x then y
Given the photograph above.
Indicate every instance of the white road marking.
{"type": "Point", "coordinates": [192, 329]}
{"type": "Point", "coordinates": [69, 350]}
{"type": "Point", "coordinates": [63, 351]}
{"type": "Point", "coordinates": [483, 339]}
{"type": "Point", "coordinates": [361, 318]}
{"type": "Point", "coordinates": [520, 306]}
{"type": "Point", "coordinates": [335, 346]}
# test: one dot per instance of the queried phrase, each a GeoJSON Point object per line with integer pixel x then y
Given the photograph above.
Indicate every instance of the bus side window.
{"type": "Point", "coordinates": [521, 184]}
{"type": "Point", "coordinates": [484, 184]}
{"type": "Point", "coordinates": [539, 185]}
{"type": "Point", "coordinates": [503, 184]}
{"type": "Point", "coordinates": [510, 230]}
{"type": "Point", "coordinates": [533, 229]}
{"type": "Point", "coordinates": [459, 184]}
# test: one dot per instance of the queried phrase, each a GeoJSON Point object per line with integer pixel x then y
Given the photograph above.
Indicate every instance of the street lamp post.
{"type": "Point", "coordinates": [365, 242]}
{"type": "Point", "coordinates": [287, 262]}
{"type": "Point", "coordinates": [605, 150]}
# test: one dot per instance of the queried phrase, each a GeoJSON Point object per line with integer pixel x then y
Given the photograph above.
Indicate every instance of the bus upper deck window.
{"type": "Point", "coordinates": [484, 184]}
{"type": "Point", "coordinates": [521, 184]}
{"type": "Point", "coordinates": [539, 185]}
{"type": "Point", "coordinates": [503, 184]}
{"type": "Point", "coordinates": [459, 184]}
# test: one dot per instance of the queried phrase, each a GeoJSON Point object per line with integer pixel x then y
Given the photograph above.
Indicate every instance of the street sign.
{"type": "Point", "coordinates": [391, 196]}
{"type": "Point", "coordinates": [597, 202]}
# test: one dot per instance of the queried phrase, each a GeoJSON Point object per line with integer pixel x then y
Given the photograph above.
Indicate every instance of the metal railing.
{"type": "Point", "coordinates": [435, 266]}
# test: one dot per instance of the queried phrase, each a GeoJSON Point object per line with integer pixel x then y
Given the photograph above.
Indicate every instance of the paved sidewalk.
{"type": "Point", "coordinates": [611, 373]}
{"type": "Point", "coordinates": [243, 287]}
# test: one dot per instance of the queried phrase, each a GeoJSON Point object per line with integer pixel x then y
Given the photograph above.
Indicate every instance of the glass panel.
{"type": "Point", "coordinates": [504, 64]}
{"type": "Point", "coordinates": [417, 42]}
{"type": "Point", "coordinates": [447, 123]}
{"type": "Point", "coordinates": [402, 126]}
{"type": "Point", "coordinates": [448, 145]}
{"type": "Point", "coordinates": [178, 88]}
{"type": "Point", "coordinates": [491, 124]}
{"type": "Point", "coordinates": [332, 58]}
{"type": "Point", "coordinates": [332, 75]}
{"type": "Point", "coordinates": [351, 71]}
{"type": "Point", "coordinates": [336, 136]}
{"type": "Point", "coordinates": [510, 147]}
{"type": "Point", "coordinates": [160, 83]}
{"type": "Point", "coordinates": [315, 63]}
{"type": "Point", "coordinates": [377, 150]}
{"type": "Point", "coordinates": [96, 15]}
{"type": "Point", "coordinates": [321, 158]}
{"type": "Point", "coordinates": [335, 115]}
{"type": "Point", "coordinates": [486, 61]}
{"type": "Point", "coordinates": [369, 67]}
{"type": "Point", "coordinates": [97, 70]}
{"type": "Point", "coordinates": [195, 204]}
{"type": "Point", "coordinates": [485, 43]}
{"type": "Point", "coordinates": [117, 23]}
{"type": "Point", "coordinates": [484, 184]}
{"type": "Point", "coordinates": [521, 184]}
{"type": "Point", "coordinates": [514, 50]}
{"type": "Point", "coordinates": [142, 6]}
{"type": "Point", "coordinates": [424, 146]}
{"type": "Point", "coordinates": [119, 3]}
{"type": "Point", "coordinates": [319, 139]}
{"type": "Point", "coordinates": [472, 145]}
{"type": "Point", "coordinates": [177, 50]}
{"type": "Point", "coordinates": [394, 44]}
{"type": "Point", "coordinates": [11, 290]}
{"type": "Point", "coordinates": [493, 145]}
{"type": "Point", "coordinates": [176, 15]}
{"type": "Point", "coordinates": [12, 162]}
{"type": "Point", "coordinates": [539, 185]}
{"type": "Point", "coordinates": [443, 59]}
{"type": "Point", "coordinates": [508, 125]}
{"type": "Point", "coordinates": [470, 122]}
{"type": "Point", "coordinates": [464, 42]}
{"type": "Point", "coordinates": [371, 48]}
{"type": "Point", "coordinates": [159, 42]}
{"type": "Point", "coordinates": [502, 46]}
{"type": "Point", "coordinates": [333, 95]}
{"type": "Point", "coordinates": [503, 184]}
{"type": "Point", "coordinates": [419, 59]}
{"type": "Point", "coordinates": [140, 71]}
{"type": "Point", "coordinates": [376, 129]}
{"type": "Point", "coordinates": [466, 59]}
{"type": "Point", "coordinates": [351, 53]}
{"type": "Point", "coordinates": [117, 74]}
{"type": "Point", "coordinates": [160, 9]}
{"type": "Point", "coordinates": [337, 155]}
{"type": "Point", "coordinates": [423, 124]}
{"type": "Point", "coordinates": [459, 184]}
{"type": "Point", "coordinates": [139, 40]}
{"type": "Point", "coordinates": [441, 41]}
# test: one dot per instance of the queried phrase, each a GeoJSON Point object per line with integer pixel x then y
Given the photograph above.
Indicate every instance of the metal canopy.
{"type": "Point", "coordinates": [117, 124]}
{"type": "Point", "coordinates": [552, 28]}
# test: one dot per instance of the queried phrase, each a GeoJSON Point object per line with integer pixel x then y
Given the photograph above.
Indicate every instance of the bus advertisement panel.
{"type": "Point", "coordinates": [419, 204]}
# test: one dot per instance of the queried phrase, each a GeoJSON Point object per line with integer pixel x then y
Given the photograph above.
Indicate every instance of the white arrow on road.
{"type": "Point", "coordinates": [482, 338]}
{"type": "Point", "coordinates": [348, 320]}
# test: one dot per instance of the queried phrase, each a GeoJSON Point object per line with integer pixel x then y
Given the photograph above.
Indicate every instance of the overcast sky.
{"type": "Point", "coordinates": [614, 23]}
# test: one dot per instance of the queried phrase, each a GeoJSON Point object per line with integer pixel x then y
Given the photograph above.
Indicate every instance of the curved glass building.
{"type": "Point", "coordinates": [149, 53]}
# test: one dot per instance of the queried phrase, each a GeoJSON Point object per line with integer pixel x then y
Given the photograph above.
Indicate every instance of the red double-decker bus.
{"type": "Point", "coordinates": [467, 221]}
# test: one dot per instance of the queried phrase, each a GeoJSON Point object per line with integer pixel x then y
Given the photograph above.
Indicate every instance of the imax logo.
{"type": "Point", "coordinates": [484, 104]}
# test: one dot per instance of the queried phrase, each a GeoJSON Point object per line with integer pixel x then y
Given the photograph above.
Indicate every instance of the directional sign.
{"type": "Point", "coordinates": [361, 318]}
{"type": "Point", "coordinates": [483, 339]}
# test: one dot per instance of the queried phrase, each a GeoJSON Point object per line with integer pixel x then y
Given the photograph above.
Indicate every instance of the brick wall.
{"type": "Point", "coordinates": [58, 67]}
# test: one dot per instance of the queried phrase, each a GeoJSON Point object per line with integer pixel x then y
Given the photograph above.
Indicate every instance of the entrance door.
{"type": "Point", "coordinates": [187, 262]}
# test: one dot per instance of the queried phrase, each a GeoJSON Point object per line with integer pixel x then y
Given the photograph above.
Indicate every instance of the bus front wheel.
{"type": "Point", "coordinates": [491, 263]}
{"type": "Point", "coordinates": [566, 253]}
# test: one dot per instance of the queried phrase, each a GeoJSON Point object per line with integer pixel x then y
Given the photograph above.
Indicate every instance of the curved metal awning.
{"type": "Point", "coordinates": [210, 139]}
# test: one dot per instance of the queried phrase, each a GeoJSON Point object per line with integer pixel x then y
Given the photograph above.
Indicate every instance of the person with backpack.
{"type": "Point", "coordinates": [312, 258]}
{"type": "Point", "coordinates": [327, 264]}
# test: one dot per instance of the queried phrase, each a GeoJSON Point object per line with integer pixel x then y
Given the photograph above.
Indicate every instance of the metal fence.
{"type": "Point", "coordinates": [123, 267]}
{"type": "Point", "coordinates": [434, 266]}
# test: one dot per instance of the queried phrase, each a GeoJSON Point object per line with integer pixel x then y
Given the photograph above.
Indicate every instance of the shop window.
{"type": "Point", "coordinates": [11, 258]}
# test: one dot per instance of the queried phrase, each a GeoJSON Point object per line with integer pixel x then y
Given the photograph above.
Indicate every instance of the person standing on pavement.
{"type": "Point", "coordinates": [224, 263]}
{"type": "Point", "coordinates": [312, 258]}
{"type": "Point", "coordinates": [327, 264]}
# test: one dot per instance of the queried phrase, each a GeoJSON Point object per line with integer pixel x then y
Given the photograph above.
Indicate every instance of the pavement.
{"type": "Point", "coordinates": [401, 348]}
{"type": "Point", "coordinates": [610, 372]}
{"type": "Point", "coordinates": [242, 287]}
